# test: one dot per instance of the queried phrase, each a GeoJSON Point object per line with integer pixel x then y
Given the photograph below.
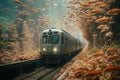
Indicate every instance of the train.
{"type": "Point", "coordinates": [57, 45]}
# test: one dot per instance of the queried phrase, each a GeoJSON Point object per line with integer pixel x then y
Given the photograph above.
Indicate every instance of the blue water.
{"type": "Point", "coordinates": [53, 9]}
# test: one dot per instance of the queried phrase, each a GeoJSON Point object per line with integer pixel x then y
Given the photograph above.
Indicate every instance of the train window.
{"type": "Point", "coordinates": [62, 40]}
{"type": "Point", "coordinates": [55, 39]}
{"type": "Point", "coordinates": [44, 33]}
{"type": "Point", "coordinates": [55, 32]}
{"type": "Point", "coordinates": [44, 39]}
{"type": "Point", "coordinates": [51, 39]}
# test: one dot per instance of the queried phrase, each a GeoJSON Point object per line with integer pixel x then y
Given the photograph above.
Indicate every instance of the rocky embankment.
{"type": "Point", "coordinates": [96, 64]}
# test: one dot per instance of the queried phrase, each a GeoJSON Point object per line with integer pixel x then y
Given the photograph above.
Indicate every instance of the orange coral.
{"type": "Point", "coordinates": [95, 10]}
{"type": "Point", "coordinates": [113, 1]}
{"type": "Point", "coordinates": [85, 4]}
{"type": "Point", "coordinates": [17, 1]}
{"type": "Point", "coordinates": [77, 2]}
{"type": "Point", "coordinates": [94, 72]}
{"type": "Point", "coordinates": [15, 59]}
{"type": "Point", "coordinates": [114, 11]}
{"type": "Point", "coordinates": [112, 49]}
{"type": "Point", "coordinates": [101, 26]}
{"type": "Point", "coordinates": [99, 3]}
{"type": "Point", "coordinates": [103, 19]}
{"type": "Point", "coordinates": [78, 71]}
{"type": "Point", "coordinates": [35, 10]}
{"type": "Point", "coordinates": [112, 67]}
{"type": "Point", "coordinates": [25, 6]}
{"type": "Point", "coordinates": [92, 1]}
{"type": "Point", "coordinates": [113, 57]}
{"type": "Point", "coordinates": [103, 6]}
{"type": "Point", "coordinates": [98, 53]}
{"type": "Point", "coordinates": [89, 21]}
{"type": "Point", "coordinates": [104, 29]}
{"type": "Point", "coordinates": [87, 15]}
{"type": "Point", "coordinates": [109, 34]}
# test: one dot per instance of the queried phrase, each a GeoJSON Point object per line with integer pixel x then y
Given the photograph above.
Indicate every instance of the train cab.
{"type": "Point", "coordinates": [56, 45]}
{"type": "Point", "coordinates": [51, 44]}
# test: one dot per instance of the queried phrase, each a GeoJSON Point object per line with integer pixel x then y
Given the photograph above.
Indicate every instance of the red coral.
{"type": "Point", "coordinates": [112, 67]}
{"type": "Point", "coordinates": [92, 73]}
{"type": "Point", "coordinates": [78, 71]}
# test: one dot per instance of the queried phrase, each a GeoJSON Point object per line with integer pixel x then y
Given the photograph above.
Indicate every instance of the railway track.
{"type": "Point", "coordinates": [11, 70]}
{"type": "Point", "coordinates": [43, 73]}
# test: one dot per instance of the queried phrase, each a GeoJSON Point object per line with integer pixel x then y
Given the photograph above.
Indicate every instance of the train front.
{"type": "Point", "coordinates": [50, 46]}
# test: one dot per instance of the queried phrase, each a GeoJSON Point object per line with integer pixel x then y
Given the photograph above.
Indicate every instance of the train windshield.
{"type": "Point", "coordinates": [50, 39]}
{"type": "Point", "coordinates": [44, 39]}
{"type": "Point", "coordinates": [55, 39]}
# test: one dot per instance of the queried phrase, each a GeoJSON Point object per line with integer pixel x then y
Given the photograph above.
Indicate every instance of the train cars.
{"type": "Point", "coordinates": [57, 45]}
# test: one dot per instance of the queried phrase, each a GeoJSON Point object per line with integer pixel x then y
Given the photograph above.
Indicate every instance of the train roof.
{"type": "Point", "coordinates": [47, 30]}
{"type": "Point", "coordinates": [58, 30]}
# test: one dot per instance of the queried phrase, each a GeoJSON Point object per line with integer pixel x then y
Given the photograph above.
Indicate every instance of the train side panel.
{"type": "Point", "coordinates": [69, 44]}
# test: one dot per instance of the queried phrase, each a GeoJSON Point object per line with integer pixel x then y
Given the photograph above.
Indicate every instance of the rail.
{"type": "Point", "coordinates": [43, 73]}
{"type": "Point", "coordinates": [14, 69]}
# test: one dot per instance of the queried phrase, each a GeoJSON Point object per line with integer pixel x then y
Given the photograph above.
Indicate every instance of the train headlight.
{"type": "Point", "coordinates": [55, 50]}
{"type": "Point", "coordinates": [44, 49]}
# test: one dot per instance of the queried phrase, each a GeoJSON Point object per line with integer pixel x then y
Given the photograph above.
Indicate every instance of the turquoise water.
{"type": "Point", "coordinates": [50, 8]}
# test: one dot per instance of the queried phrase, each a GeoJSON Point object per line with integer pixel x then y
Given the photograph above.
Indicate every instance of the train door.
{"type": "Point", "coordinates": [62, 43]}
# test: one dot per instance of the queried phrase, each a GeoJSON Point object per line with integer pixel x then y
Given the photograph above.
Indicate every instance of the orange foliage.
{"type": "Point", "coordinates": [113, 1]}
{"type": "Point", "coordinates": [103, 19]}
{"type": "Point", "coordinates": [114, 11]}
{"type": "Point", "coordinates": [109, 33]}
{"type": "Point", "coordinates": [73, 8]}
{"type": "Point", "coordinates": [112, 49]}
{"type": "Point", "coordinates": [113, 57]}
{"type": "Point", "coordinates": [93, 17]}
{"type": "Point", "coordinates": [89, 21]}
{"type": "Point", "coordinates": [99, 3]}
{"type": "Point", "coordinates": [104, 29]}
{"type": "Point", "coordinates": [35, 10]}
{"type": "Point", "coordinates": [112, 68]}
{"type": "Point", "coordinates": [25, 56]}
{"type": "Point", "coordinates": [77, 2]}
{"type": "Point", "coordinates": [22, 12]}
{"type": "Point", "coordinates": [16, 1]}
{"type": "Point", "coordinates": [86, 35]}
{"type": "Point", "coordinates": [103, 6]}
{"type": "Point", "coordinates": [85, 4]}
{"type": "Point", "coordinates": [101, 26]}
{"type": "Point", "coordinates": [92, 73]}
{"type": "Point", "coordinates": [92, 1]}
{"type": "Point", "coordinates": [78, 71]}
{"type": "Point", "coordinates": [15, 59]}
{"type": "Point", "coordinates": [98, 53]}
{"type": "Point", "coordinates": [87, 15]}
{"type": "Point", "coordinates": [25, 6]}
{"type": "Point", "coordinates": [95, 10]}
